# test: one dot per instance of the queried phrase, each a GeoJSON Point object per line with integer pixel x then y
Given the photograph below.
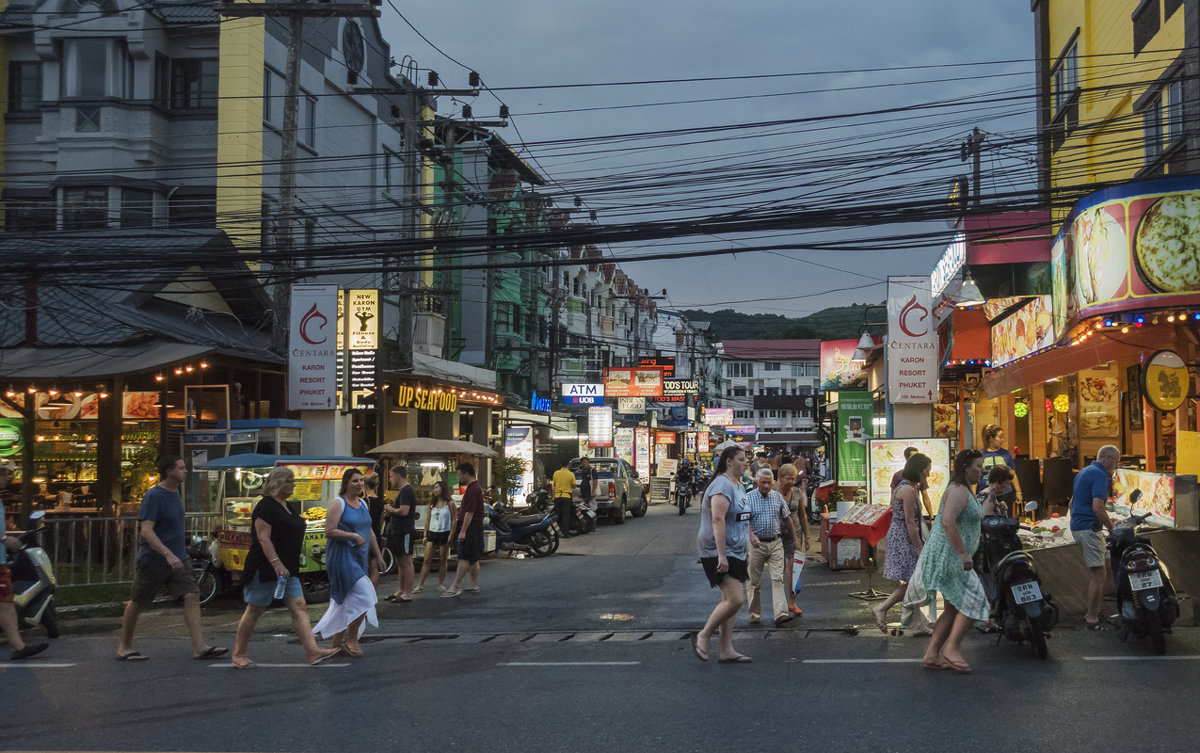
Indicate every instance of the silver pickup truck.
{"type": "Point", "coordinates": [618, 488]}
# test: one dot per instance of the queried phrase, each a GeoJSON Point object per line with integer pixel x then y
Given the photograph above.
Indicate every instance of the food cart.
{"type": "Point", "coordinates": [233, 485]}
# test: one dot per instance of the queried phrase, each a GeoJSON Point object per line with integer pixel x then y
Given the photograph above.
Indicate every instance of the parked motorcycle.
{"type": "Point", "coordinates": [33, 580]}
{"type": "Point", "coordinates": [212, 579]}
{"type": "Point", "coordinates": [1019, 607]}
{"type": "Point", "coordinates": [1146, 599]}
{"type": "Point", "coordinates": [583, 518]}
{"type": "Point", "coordinates": [534, 534]}
{"type": "Point", "coordinates": [540, 500]}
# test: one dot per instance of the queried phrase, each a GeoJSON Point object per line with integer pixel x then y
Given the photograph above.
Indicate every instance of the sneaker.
{"type": "Point", "coordinates": [1100, 625]}
{"type": "Point", "coordinates": [29, 651]}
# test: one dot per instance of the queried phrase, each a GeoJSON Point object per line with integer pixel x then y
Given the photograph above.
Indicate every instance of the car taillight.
{"type": "Point", "coordinates": [612, 489]}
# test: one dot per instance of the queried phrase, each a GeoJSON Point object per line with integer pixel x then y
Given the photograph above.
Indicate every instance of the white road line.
{"type": "Point", "coordinates": [568, 664]}
{"type": "Point", "coordinates": [35, 665]}
{"type": "Point", "coordinates": [1185, 657]}
{"type": "Point", "coordinates": [257, 665]}
{"type": "Point", "coordinates": [861, 661]}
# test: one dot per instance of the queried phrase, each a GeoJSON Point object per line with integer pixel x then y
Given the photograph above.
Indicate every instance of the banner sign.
{"type": "Point", "coordinates": [1127, 248]}
{"type": "Point", "coordinates": [887, 457]}
{"type": "Point", "coordinates": [10, 437]}
{"type": "Point", "coordinates": [664, 437]}
{"type": "Point", "coordinates": [665, 364]}
{"type": "Point", "coordinates": [702, 441]}
{"type": "Point", "coordinates": [633, 382]}
{"type": "Point", "coordinates": [641, 450]}
{"type": "Point", "coordinates": [718, 416]}
{"type": "Point", "coordinates": [856, 410]}
{"type": "Point", "coordinates": [838, 372]}
{"type": "Point", "coordinates": [631, 405]}
{"type": "Point", "coordinates": [678, 390]}
{"type": "Point", "coordinates": [912, 342]}
{"type": "Point", "coordinates": [743, 431]}
{"type": "Point", "coordinates": [623, 445]}
{"type": "Point", "coordinates": [518, 443]}
{"type": "Point", "coordinates": [600, 426]}
{"type": "Point", "coordinates": [312, 347]}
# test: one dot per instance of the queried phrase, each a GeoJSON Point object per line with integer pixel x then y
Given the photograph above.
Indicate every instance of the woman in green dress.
{"type": "Point", "coordinates": [946, 566]}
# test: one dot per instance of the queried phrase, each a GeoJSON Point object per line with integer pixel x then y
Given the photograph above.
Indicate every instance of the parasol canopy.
{"type": "Point", "coordinates": [431, 446]}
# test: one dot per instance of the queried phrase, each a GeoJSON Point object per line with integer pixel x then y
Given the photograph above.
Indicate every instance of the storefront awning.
{"type": "Point", "coordinates": [98, 362]}
{"type": "Point", "coordinates": [791, 437]}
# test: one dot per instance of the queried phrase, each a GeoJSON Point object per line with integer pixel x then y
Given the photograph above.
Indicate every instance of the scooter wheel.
{"type": "Point", "coordinates": [50, 621]}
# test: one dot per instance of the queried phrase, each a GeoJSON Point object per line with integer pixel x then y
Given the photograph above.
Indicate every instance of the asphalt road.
{"type": "Point", "coordinates": [587, 651]}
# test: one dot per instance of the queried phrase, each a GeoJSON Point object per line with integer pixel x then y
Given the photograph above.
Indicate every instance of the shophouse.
{"type": "Point", "coordinates": [771, 386]}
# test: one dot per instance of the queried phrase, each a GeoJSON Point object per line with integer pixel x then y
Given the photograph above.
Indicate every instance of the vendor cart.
{"type": "Point", "coordinates": [233, 485]}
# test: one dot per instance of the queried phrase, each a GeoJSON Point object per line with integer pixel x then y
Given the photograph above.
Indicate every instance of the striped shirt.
{"type": "Point", "coordinates": [765, 512]}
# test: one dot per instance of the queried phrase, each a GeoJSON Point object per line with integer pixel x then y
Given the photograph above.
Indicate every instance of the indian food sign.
{"type": "Point", "coordinates": [1129, 247]}
{"type": "Point", "coordinates": [633, 382]}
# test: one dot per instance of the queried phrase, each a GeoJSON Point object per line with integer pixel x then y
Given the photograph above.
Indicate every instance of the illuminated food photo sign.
{"type": "Point", "coordinates": [1129, 247]}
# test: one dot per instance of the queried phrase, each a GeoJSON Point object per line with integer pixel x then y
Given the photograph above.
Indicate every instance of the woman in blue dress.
{"type": "Point", "coordinates": [352, 594]}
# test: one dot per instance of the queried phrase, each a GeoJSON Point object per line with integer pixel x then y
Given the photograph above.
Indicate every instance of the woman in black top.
{"type": "Point", "coordinates": [276, 542]}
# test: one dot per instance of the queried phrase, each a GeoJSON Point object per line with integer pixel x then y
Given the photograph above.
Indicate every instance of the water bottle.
{"type": "Point", "coordinates": [280, 587]}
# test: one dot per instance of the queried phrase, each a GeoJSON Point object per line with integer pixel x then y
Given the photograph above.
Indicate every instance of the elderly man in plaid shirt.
{"type": "Point", "coordinates": [768, 512]}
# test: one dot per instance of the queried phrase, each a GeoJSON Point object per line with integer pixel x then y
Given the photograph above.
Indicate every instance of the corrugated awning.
{"type": "Point", "coordinates": [793, 437]}
{"type": "Point", "coordinates": [101, 361]}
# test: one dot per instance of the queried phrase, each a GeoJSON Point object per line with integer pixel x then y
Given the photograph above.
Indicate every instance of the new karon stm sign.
{"type": "Point", "coordinates": [912, 342]}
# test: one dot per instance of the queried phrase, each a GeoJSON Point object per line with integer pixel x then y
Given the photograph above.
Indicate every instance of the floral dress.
{"type": "Point", "coordinates": [940, 569]}
{"type": "Point", "coordinates": [901, 555]}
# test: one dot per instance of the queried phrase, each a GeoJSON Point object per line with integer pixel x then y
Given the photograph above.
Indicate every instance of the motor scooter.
{"type": "Point", "coordinates": [1019, 606]}
{"type": "Point", "coordinates": [583, 518]}
{"type": "Point", "coordinates": [33, 580]}
{"type": "Point", "coordinates": [1146, 599]}
{"type": "Point", "coordinates": [534, 534]}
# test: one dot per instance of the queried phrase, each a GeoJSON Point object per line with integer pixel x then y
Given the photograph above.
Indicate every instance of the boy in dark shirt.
{"type": "Point", "coordinates": [469, 530]}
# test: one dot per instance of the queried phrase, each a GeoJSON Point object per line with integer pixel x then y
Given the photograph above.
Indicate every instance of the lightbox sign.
{"type": "Point", "coordinates": [678, 390]}
{"type": "Point", "coordinates": [600, 426]}
{"type": "Point", "coordinates": [518, 443]}
{"type": "Point", "coordinates": [633, 382]}
{"type": "Point", "coordinates": [667, 364]}
{"type": "Point", "coordinates": [949, 265]}
{"type": "Point", "coordinates": [312, 347]}
{"type": "Point", "coordinates": [912, 342]}
{"type": "Point", "coordinates": [583, 390]}
{"type": "Point", "coordinates": [718, 416]}
{"type": "Point", "coordinates": [742, 431]}
{"type": "Point", "coordinates": [540, 404]}
{"type": "Point", "coordinates": [641, 450]}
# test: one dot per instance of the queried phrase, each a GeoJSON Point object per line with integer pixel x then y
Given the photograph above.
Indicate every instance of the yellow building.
{"type": "Point", "coordinates": [1114, 96]}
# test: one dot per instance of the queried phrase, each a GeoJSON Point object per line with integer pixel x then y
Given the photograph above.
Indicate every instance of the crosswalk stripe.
{"type": "Point", "coordinates": [568, 664]}
{"type": "Point", "coordinates": [257, 665]}
{"type": "Point", "coordinates": [861, 661]}
{"type": "Point", "coordinates": [1184, 657]}
{"type": "Point", "coordinates": [36, 665]}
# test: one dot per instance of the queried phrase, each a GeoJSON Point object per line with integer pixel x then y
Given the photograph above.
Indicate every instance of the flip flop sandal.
{"type": "Point", "coordinates": [740, 659]}
{"type": "Point", "coordinates": [132, 656]}
{"type": "Point", "coordinates": [212, 652]}
{"type": "Point", "coordinates": [243, 662]}
{"type": "Point", "coordinates": [322, 656]}
{"type": "Point", "coordinates": [701, 655]}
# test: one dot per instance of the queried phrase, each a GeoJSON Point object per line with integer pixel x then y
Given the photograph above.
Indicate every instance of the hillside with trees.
{"type": "Point", "coordinates": [841, 322]}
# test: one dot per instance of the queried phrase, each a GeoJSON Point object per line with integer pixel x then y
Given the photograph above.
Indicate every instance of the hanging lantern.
{"type": "Point", "coordinates": [1049, 405]}
{"type": "Point", "coordinates": [1062, 403]}
{"type": "Point", "coordinates": [1020, 409]}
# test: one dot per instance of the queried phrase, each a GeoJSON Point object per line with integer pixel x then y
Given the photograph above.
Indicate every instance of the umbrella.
{"type": "Point", "coordinates": [431, 446]}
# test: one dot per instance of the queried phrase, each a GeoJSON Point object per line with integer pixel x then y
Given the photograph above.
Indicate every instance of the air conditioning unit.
{"type": "Point", "coordinates": [429, 333]}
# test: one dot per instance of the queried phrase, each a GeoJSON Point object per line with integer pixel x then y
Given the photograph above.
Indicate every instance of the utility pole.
{"type": "Point", "coordinates": [296, 13]}
{"type": "Point", "coordinates": [973, 147]}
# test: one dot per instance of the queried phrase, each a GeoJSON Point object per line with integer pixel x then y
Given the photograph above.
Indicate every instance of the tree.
{"type": "Point", "coordinates": [508, 472]}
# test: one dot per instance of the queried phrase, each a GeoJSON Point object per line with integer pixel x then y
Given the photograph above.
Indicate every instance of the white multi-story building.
{"type": "Point", "coordinates": [772, 384]}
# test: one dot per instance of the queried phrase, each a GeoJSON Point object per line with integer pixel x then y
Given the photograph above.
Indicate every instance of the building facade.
{"type": "Point", "coordinates": [772, 385]}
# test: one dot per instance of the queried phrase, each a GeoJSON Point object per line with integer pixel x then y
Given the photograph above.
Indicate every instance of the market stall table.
{"type": "Point", "coordinates": [869, 523]}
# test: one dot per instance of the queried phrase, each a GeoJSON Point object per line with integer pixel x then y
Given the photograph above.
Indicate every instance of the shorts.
{"type": "Point", "coordinates": [261, 593]}
{"type": "Point", "coordinates": [1092, 544]}
{"type": "Point", "coordinates": [438, 538]}
{"type": "Point", "coordinates": [401, 543]}
{"type": "Point", "coordinates": [148, 580]}
{"type": "Point", "coordinates": [470, 549]}
{"type": "Point", "coordinates": [737, 570]}
{"type": "Point", "coordinates": [6, 587]}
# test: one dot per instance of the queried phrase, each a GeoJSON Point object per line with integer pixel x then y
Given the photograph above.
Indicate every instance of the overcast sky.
{"type": "Point", "coordinates": [856, 57]}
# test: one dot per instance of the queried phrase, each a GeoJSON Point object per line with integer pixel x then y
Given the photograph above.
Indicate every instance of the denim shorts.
{"type": "Point", "coordinates": [261, 594]}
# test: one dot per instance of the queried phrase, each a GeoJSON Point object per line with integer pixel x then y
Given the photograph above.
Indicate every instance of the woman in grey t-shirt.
{"type": "Point", "coordinates": [722, 544]}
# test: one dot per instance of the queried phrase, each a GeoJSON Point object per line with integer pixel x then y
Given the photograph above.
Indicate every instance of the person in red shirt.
{"type": "Point", "coordinates": [469, 531]}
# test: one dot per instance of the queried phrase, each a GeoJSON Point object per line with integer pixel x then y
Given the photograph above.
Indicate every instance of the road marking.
{"type": "Point", "coordinates": [861, 661]}
{"type": "Point", "coordinates": [305, 665]}
{"type": "Point", "coordinates": [35, 665]}
{"type": "Point", "coordinates": [568, 664]}
{"type": "Point", "coordinates": [1143, 658]}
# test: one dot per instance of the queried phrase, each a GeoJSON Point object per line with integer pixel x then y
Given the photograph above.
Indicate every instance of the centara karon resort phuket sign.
{"type": "Point", "coordinates": [912, 342]}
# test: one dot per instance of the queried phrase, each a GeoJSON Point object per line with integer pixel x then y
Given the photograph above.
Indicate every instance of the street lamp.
{"type": "Point", "coordinates": [866, 343]}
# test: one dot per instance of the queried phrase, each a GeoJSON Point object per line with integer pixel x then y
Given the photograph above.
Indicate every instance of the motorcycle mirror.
{"type": "Point", "coordinates": [1031, 505]}
{"type": "Point", "coordinates": [1134, 497]}
{"type": "Point", "coordinates": [37, 515]}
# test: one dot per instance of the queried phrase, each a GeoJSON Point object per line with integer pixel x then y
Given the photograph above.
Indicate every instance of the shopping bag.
{"type": "Point", "coordinates": [797, 569]}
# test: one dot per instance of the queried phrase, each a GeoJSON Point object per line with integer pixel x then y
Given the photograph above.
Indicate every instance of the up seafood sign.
{"type": "Point", "coordinates": [1129, 247]}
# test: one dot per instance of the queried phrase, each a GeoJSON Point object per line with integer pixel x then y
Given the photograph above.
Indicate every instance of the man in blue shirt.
{"type": "Point", "coordinates": [162, 560]}
{"type": "Point", "coordinates": [1088, 517]}
{"type": "Point", "coordinates": [768, 513]}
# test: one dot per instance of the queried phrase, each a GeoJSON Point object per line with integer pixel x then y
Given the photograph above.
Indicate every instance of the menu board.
{"type": "Point", "coordinates": [887, 456]}
{"type": "Point", "coordinates": [1158, 495]}
{"type": "Point", "coordinates": [945, 420]}
{"type": "Point", "coordinates": [1027, 330]}
{"type": "Point", "coordinates": [1127, 248]}
{"type": "Point", "coordinates": [660, 489]}
{"type": "Point", "coordinates": [1099, 396]}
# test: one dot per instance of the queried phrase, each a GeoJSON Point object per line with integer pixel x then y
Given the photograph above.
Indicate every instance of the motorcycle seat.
{"type": "Point", "coordinates": [522, 520]}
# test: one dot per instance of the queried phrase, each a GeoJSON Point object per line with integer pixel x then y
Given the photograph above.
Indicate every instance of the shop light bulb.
{"type": "Point", "coordinates": [188, 368]}
{"type": "Point", "coordinates": [52, 392]}
{"type": "Point", "coordinates": [178, 371]}
{"type": "Point", "coordinates": [159, 377]}
{"type": "Point", "coordinates": [31, 390]}
{"type": "Point", "coordinates": [1125, 329]}
{"type": "Point", "coordinates": [103, 395]}
{"type": "Point", "coordinates": [204, 364]}
{"type": "Point", "coordinates": [1196, 316]}
{"type": "Point", "coordinates": [1171, 318]}
{"type": "Point", "coordinates": [10, 392]}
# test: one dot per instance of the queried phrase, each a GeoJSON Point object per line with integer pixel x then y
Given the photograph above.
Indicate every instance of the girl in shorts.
{"type": "Point", "coordinates": [437, 534]}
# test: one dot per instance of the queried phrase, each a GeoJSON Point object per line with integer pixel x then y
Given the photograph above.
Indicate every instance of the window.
{"type": "Point", "coordinates": [28, 215]}
{"type": "Point", "coordinates": [24, 86]}
{"type": "Point", "coordinates": [770, 366]}
{"type": "Point", "coordinates": [137, 208]}
{"type": "Point", "coordinates": [503, 317]}
{"type": "Point", "coordinates": [737, 369]}
{"type": "Point", "coordinates": [85, 207]}
{"type": "Point", "coordinates": [1064, 78]}
{"type": "Point", "coordinates": [1146, 23]}
{"type": "Point", "coordinates": [192, 209]}
{"type": "Point", "coordinates": [273, 91]}
{"type": "Point", "coordinates": [1152, 127]}
{"type": "Point", "coordinates": [307, 121]}
{"type": "Point", "coordinates": [193, 84]}
{"type": "Point", "coordinates": [393, 171]}
{"type": "Point", "coordinates": [1174, 110]}
{"type": "Point", "coordinates": [739, 391]}
{"type": "Point", "coordinates": [96, 68]}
